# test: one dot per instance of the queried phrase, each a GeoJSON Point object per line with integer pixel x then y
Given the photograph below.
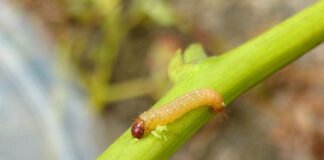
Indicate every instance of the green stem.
{"type": "Point", "coordinates": [230, 74]}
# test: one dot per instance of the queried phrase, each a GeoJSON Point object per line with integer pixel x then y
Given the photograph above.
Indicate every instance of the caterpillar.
{"type": "Point", "coordinates": [149, 120]}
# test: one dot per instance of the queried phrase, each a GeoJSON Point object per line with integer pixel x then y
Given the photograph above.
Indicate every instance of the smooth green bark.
{"type": "Point", "coordinates": [230, 74]}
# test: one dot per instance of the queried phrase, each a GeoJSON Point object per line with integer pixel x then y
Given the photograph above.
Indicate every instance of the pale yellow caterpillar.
{"type": "Point", "coordinates": [149, 120]}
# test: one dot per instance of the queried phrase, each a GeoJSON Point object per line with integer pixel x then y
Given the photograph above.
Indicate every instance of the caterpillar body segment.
{"type": "Point", "coordinates": [168, 113]}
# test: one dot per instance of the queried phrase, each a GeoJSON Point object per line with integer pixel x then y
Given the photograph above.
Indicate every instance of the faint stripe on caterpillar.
{"type": "Point", "coordinates": [167, 113]}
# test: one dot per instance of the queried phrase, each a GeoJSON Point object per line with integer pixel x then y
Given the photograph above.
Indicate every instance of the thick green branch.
{"type": "Point", "coordinates": [230, 74]}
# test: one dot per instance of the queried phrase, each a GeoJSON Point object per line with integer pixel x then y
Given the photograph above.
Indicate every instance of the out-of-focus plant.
{"type": "Point", "coordinates": [94, 41]}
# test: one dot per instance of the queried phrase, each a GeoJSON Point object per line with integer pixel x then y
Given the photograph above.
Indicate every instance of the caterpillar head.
{"type": "Point", "coordinates": [138, 128]}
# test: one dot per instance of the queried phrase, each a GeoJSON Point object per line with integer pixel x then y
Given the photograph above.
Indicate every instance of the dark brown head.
{"type": "Point", "coordinates": [138, 128]}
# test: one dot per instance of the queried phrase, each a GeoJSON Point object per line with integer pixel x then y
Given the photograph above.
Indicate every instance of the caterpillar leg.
{"type": "Point", "coordinates": [159, 132]}
{"type": "Point", "coordinates": [134, 140]}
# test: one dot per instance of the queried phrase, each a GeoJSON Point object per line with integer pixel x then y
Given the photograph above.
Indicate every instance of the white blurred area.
{"type": "Point", "coordinates": [43, 115]}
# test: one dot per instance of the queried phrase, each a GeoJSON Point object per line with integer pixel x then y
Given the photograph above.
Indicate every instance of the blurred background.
{"type": "Point", "coordinates": [75, 73]}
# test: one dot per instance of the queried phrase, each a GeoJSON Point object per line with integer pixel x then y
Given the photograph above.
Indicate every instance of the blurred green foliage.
{"type": "Point", "coordinates": [94, 42]}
